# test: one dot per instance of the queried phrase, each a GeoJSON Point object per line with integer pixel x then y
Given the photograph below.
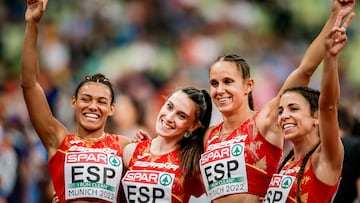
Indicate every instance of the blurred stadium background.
{"type": "Point", "coordinates": [147, 48]}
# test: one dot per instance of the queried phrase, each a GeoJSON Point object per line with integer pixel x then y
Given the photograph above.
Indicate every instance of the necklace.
{"type": "Point", "coordinates": [224, 135]}
{"type": "Point", "coordinates": [93, 138]}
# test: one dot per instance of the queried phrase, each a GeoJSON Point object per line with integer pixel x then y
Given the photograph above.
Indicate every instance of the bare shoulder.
{"type": "Point", "coordinates": [207, 134]}
{"type": "Point", "coordinates": [124, 141]}
{"type": "Point", "coordinates": [128, 153]}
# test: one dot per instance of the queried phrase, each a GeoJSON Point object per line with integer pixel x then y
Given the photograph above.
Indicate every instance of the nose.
{"type": "Point", "coordinates": [220, 88]}
{"type": "Point", "coordinates": [284, 115]}
{"type": "Point", "coordinates": [93, 105]}
{"type": "Point", "coordinates": [170, 116]}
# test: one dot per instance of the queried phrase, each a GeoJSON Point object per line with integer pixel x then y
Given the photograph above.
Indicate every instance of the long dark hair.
{"type": "Point", "coordinates": [301, 171]}
{"type": "Point", "coordinates": [191, 146]}
{"type": "Point", "coordinates": [243, 67]}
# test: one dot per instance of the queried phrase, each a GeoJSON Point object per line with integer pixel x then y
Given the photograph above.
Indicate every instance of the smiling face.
{"type": "Point", "coordinates": [228, 89]}
{"type": "Point", "coordinates": [177, 116]}
{"type": "Point", "coordinates": [93, 106]}
{"type": "Point", "coordinates": [295, 118]}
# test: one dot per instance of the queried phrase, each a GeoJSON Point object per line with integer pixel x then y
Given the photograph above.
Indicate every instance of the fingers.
{"type": "Point", "coordinates": [348, 21]}
{"type": "Point", "coordinates": [338, 20]}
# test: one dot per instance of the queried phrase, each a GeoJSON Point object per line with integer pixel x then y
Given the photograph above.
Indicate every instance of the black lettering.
{"type": "Point", "coordinates": [158, 193]}
{"type": "Point", "coordinates": [277, 196]}
{"type": "Point", "coordinates": [130, 193]}
{"type": "Point", "coordinates": [92, 171]}
{"type": "Point", "coordinates": [208, 174]}
{"type": "Point", "coordinates": [219, 169]}
{"type": "Point", "coordinates": [232, 166]}
{"type": "Point", "coordinates": [144, 193]}
{"type": "Point", "coordinates": [74, 173]}
{"type": "Point", "coordinates": [268, 195]}
{"type": "Point", "coordinates": [273, 198]}
{"type": "Point", "coordinates": [108, 173]}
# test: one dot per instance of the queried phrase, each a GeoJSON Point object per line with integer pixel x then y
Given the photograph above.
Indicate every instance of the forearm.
{"type": "Point", "coordinates": [330, 87]}
{"type": "Point", "coordinates": [312, 58]}
{"type": "Point", "coordinates": [29, 59]}
{"type": "Point", "coordinates": [315, 53]}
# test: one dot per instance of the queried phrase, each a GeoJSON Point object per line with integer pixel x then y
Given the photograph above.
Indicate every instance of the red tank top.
{"type": "Point", "coordinates": [87, 170]}
{"type": "Point", "coordinates": [153, 178]}
{"type": "Point", "coordinates": [312, 189]}
{"type": "Point", "coordinates": [223, 163]}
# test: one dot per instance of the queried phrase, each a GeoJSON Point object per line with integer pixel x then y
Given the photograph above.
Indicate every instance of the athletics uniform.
{"type": "Point", "coordinates": [87, 170]}
{"type": "Point", "coordinates": [283, 186]}
{"type": "Point", "coordinates": [242, 163]}
{"type": "Point", "coordinates": [157, 178]}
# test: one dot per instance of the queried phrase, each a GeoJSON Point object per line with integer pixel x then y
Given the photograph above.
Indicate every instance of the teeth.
{"type": "Point", "coordinates": [91, 115]}
{"type": "Point", "coordinates": [286, 126]}
{"type": "Point", "coordinates": [223, 99]}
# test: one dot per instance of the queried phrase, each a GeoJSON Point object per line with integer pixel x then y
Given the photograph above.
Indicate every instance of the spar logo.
{"type": "Point", "coordinates": [280, 181]}
{"type": "Point", "coordinates": [237, 150]}
{"type": "Point", "coordinates": [114, 161]}
{"type": "Point", "coordinates": [165, 179]}
{"type": "Point", "coordinates": [286, 182]}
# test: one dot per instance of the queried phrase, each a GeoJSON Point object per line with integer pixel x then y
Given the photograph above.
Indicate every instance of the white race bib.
{"type": "Point", "coordinates": [92, 175]}
{"type": "Point", "coordinates": [148, 186]}
{"type": "Point", "coordinates": [279, 188]}
{"type": "Point", "coordinates": [223, 168]}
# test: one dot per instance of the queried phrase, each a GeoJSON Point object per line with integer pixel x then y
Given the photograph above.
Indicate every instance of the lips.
{"type": "Point", "coordinates": [287, 126]}
{"type": "Point", "coordinates": [166, 124]}
{"type": "Point", "coordinates": [223, 99]}
{"type": "Point", "coordinates": [91, 116]}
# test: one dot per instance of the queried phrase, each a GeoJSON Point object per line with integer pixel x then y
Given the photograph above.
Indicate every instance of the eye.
{"type": "Point", "coordinates": [182, 116]}
{"type": "Point", "coordinates": [214, 83]}
{"type": "Point", "coordinates": [102, 101]}
{"type": "Point", "coordinates": [84, 99]}
{"type": "Point", "coordinates": [228, 81]}
{"type": "Point", "coordinates": [280, 111]}
{"type": "Point", "coordinates": [169, 106]}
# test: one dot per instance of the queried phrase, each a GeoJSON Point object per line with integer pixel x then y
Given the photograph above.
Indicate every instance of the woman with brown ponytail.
{"type": "Point", "coordinates": [308, 119]}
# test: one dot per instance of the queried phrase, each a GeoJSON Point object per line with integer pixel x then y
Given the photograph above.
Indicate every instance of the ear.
{"type": "Point", "coordinates": [112, 109]}
{"type": "Point", "coordinates": [195, 126]}
{"type": "Point", "coordinates": [250, 85]}
{"type": "Point", "coordinates": [73, 102]}
{"type": "Point", "coordinates": [316, 118]}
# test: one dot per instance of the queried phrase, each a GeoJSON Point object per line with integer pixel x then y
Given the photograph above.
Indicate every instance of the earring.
{"type": "Point", "coordinates": [187, 134]}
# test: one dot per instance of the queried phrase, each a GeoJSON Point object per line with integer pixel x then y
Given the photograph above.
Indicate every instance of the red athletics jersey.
{"type": "Point", "coordinates": [157, 178]}
{"type": "Point", "coordinates": [312, 189]}
{"type": "Point", "coordinates": [87, 170]}
{"type": "Point", "coordinates": [242, 163]}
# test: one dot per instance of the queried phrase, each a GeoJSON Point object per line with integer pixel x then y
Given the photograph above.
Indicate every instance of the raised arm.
{"type": "Point", "coordinates": [50, 131]}
{"type": "Point", "coordinates": [267, 119]}
{"type": "Point", "coordinates": [314, 54]}
{"type": "Point", "coordinates": [331, 154]}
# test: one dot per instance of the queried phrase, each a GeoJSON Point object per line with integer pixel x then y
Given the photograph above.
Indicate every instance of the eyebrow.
{"type": "Point", "coordinates": [88, 95]}
{"type": "Point", "coordinates": [187, 116]}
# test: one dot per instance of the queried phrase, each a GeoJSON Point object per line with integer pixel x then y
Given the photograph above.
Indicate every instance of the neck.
{"type": "Point", "coordinates": [160, 145]}
{"type": "Point", "coordinates": [234, 121]}
{"type": "Point", "coordinates": [90, 137]}
{"type": "Point", "coordinates": [301, 149]}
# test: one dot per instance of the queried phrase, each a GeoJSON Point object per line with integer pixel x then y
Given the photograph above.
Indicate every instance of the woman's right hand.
{"type": "Point", "coordinates": [35, 10]}
{"type": "Point", "coordinates": [140, 136]}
